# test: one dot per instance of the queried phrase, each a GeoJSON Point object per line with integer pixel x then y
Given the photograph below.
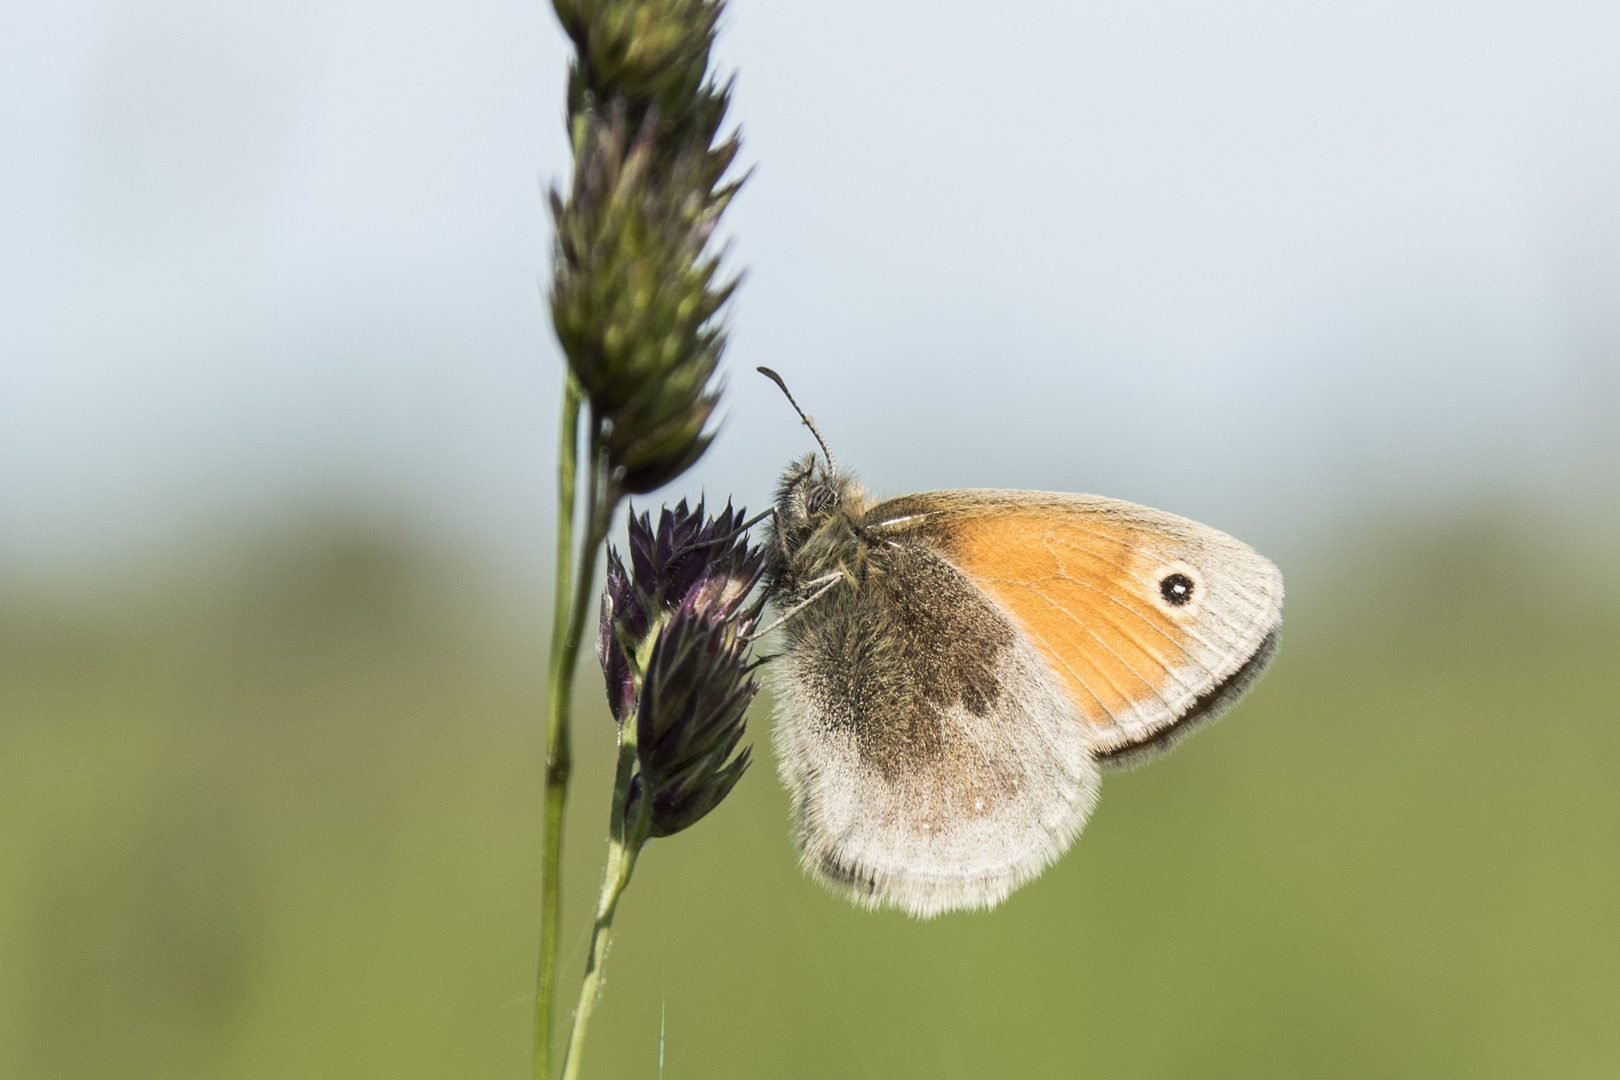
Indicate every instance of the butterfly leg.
{"type": "Point", "coordinates": [826, 581]}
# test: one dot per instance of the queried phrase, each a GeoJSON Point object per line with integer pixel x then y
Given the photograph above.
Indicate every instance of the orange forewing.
{"type": "Point", "coordinates": [1076, 588]}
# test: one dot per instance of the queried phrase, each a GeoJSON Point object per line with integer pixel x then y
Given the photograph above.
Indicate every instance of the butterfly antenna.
{"type": "Point", "coordinates": [809, 421]}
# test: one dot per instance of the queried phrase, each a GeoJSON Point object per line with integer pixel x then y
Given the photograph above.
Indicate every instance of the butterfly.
{"type": "Point", "coordinates": [957, 668]}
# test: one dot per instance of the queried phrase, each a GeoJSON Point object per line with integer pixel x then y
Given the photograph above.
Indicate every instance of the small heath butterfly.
{"type": "Point", "coordinates": [959, 666]}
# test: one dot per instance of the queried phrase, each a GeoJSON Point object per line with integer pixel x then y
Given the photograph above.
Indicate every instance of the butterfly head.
{"type": "Point", "coordinates": [818, 511]}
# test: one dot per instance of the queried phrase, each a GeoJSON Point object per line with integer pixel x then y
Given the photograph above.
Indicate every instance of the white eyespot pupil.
{"type": "Point", "coordinates": [1177, 589]}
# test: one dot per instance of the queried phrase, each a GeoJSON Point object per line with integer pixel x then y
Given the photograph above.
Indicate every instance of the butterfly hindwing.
{"type": "Point", "coordinates": [934, 760]}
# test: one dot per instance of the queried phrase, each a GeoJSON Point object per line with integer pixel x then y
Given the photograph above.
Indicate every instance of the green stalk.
{"type": "Point", "coordinates": [555, 783]}
{"type": "Point", "coordinates": [625, 837]}
{"type": "Point", "coordinates": [568, 623]}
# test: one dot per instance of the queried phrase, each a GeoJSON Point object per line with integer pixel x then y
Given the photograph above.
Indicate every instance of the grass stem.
{"type": "Point", "coordinates": [575, 585]}
{"type": "Point", "coordinates": [626, 835]}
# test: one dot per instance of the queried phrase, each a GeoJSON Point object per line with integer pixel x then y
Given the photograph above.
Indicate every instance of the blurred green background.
{"type": "Point", "coordinates": [272, 812]}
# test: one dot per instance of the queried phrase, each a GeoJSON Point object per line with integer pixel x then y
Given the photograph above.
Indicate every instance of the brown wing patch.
{"type": "Point", "coordinates": [1076, 588]}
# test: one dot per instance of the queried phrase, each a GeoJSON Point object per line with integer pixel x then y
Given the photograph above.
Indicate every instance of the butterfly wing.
{"type": "Point", "coordinates": [934, 760]}
{"type": "Point", "coordinates": [1150, 622]}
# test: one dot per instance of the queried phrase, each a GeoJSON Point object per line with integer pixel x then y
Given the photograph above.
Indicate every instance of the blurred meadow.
{"type": "Point", "coordinates": [280, 819]}
{"type": "Point", "coordinates": [278, 407]}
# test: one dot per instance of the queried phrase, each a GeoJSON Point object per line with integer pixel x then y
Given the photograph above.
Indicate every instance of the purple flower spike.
{"type": "Point", "coordinates": [619, 608]}
{"type": "Point", "coordinates": [682, 609]}
{"type": "Point", "coordinates": [689, 720]}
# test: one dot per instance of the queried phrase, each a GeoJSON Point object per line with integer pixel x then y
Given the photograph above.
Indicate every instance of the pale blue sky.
{"type": "Point", "coordinates": [1254, 262]}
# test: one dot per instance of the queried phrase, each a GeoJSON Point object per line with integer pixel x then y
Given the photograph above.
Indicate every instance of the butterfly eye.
{"type": "Point", "coordinates": [817, 498]}
{"type": "Point", "coordinates": [1177, 589]}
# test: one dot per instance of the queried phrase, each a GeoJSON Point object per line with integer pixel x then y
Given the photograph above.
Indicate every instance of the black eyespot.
{"type": "Point", "coordinates": [1177, 589]}
{"type": "Point", "coordinates": [817, 498]}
